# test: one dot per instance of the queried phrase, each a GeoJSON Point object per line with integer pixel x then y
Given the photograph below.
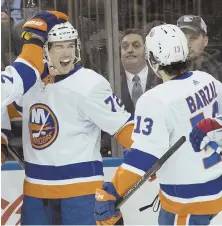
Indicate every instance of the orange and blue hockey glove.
{"type": "Point", "coordinates": [105, 212]}
{"type": "Point", "coordinates": [35, 34]}
{"type": "Point", "coordinates": [39, 25]}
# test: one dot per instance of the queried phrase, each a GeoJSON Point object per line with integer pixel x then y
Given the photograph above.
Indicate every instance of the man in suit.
{"type": "Point", "coordinates": [137, 76]}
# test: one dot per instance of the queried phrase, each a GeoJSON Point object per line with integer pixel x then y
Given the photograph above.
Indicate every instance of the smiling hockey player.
{"type": "Point", "coordinates": [190, 184]}
{"type": "Point", "coordinates": [18, 78]}
{"type": "Point", "coordinates": [62, 120]}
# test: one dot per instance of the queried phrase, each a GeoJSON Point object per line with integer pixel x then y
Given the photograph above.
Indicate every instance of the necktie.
{"type": "Point", "coordinates": [137, 90]}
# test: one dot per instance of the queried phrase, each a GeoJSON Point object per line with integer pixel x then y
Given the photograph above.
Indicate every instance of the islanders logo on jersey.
{"type": "Point", "coordinates": [43, 126]}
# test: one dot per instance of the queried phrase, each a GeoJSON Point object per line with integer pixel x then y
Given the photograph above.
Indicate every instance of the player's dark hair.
{"type": "Point", "coordinates": [176, 68]}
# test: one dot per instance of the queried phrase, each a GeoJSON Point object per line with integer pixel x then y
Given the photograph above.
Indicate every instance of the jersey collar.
{"type": "Point", "coordinates": [58, 78]}
{"type": "Point", "coordinates": [183, 76]}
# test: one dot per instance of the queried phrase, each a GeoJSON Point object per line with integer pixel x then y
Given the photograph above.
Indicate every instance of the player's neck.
{"type": "Point", "coordinates": [165, 77]}
{"type": "Point", "coordinates": [54, 72]}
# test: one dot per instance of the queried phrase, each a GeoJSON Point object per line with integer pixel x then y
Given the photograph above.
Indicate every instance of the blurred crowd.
{"type": "Point", "coordinates": [135, 20]}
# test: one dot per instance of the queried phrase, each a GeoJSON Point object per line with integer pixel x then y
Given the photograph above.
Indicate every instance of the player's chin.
{"type": "Point", "coordinates": [65, 69]}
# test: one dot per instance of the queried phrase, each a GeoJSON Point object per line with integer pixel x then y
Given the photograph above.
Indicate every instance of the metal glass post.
{"type": "Point", "coordinates": [112, 28]}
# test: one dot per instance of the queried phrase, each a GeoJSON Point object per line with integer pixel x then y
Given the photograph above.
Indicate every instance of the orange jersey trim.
{"type": "Point", "coordinates": [124, 136]}
{"type": "Point", "coordinates": [58, 14]}
{"type": "Point", "coordinates": [13, 113]}
{"type": "Point", "coordinates": [195, 208]}
{"type": "Point", "coordinates": [3, 141]}
{"type": "Point", "coordinates": [181, 220]}
{"type": "Point", "coordinates": [2, 157]}
{"type": "Point", "coordinates": [124, 180]}
{"type": "Point", "coordinates": [61, 191]}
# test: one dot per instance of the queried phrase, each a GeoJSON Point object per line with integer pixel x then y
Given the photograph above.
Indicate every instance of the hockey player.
{"type": "Point", "coordinates": [5, 129]}
{"type": "Point", "coordinates": [206, 131]}
{"type": "Point", "coordinates": [190, 184]}
{"type": "Point", "coordinates": [18, 78]}
{"type": "Point", "coordinates": [63, 115]}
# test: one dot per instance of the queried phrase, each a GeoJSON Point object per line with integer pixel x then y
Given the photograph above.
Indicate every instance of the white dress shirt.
{"type": "Point", "coordinates": [143, 78]}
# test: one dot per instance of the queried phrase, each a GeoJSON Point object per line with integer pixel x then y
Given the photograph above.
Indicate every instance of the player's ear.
{"type": "Point", "coordinates": [206, 39]}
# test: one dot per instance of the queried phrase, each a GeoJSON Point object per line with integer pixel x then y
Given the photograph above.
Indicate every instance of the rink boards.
{"type": "Point", "coordinates": [12, 182]}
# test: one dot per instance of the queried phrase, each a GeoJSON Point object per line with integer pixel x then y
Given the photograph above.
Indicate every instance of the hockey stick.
{"type": "Point", "coordinates": [150, 172]}
{"type": "Point", "coordinates": [15, 155]}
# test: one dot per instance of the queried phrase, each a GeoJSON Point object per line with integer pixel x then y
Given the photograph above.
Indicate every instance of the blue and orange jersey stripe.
{"type": "Point", "coordinates": [199, 198]}
{"type": "Point", "coordinates": [44, 181]}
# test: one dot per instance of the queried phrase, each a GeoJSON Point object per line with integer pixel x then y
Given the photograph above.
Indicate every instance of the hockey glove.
{"type": "Point", "coordinates": [105, 212]}
{"type": "Point", "coordinates": [207, 130]}
{"type": "Point", "coordinates": [39, 25]}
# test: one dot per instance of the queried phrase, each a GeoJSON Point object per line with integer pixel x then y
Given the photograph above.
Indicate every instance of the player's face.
{"type": "Point", "coordinates": [62, 55]}
{"type": "Point", "coordinates": [132, 51]}
{"type": "Point", "coordinates": [196, 44]}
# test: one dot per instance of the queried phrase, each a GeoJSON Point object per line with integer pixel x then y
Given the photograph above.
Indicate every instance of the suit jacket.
{"type": "Point", "coordinates": [152, 81]}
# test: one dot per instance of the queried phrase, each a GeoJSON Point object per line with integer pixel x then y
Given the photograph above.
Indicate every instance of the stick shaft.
{"type": "Point", "coordinates": [150, 172]}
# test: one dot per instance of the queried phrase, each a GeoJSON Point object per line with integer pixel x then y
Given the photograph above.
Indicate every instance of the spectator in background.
{"type": "Point", "coordinates": [97, 52]}
{"type": "Point", "coordinates": [137, 76]}
{"type": "Point", "coordinates": [200, 58]}
{"type": "Point", "coordinates": [12, 9]}
{"type": "Point", "coordinates": [7, 44]}
{"type": "Point", "coordinates": [148, 27]}
{"type": "Point", "coordinates": [29, 9]}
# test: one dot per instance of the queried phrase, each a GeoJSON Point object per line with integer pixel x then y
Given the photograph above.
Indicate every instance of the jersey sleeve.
{"type": "Point", "coordinates": [5, 126]}
{"type": "Point", "coordinates": [105, 109]}
{"type": "Point", "coordinates": [150, 141]}
{"type": "Point", "coordinates": [16, 80]}
{"type": "Point", "coordinates": [5, 133]}
{"type": "Point", "coordinates": [19, 77]}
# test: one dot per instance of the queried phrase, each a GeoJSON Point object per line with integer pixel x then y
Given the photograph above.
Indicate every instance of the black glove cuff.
{"type": "Point", "coordinates": [35, 41]}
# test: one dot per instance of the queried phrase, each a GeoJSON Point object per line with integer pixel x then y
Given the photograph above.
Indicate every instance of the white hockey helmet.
{"type": "Point", "coordinates": [165, 45]}
{"type": "Point", "coordinates": [63, 32]}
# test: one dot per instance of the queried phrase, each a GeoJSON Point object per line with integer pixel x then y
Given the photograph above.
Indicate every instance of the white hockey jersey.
{"type": "Point", "coordinates": [62, 125]}
{"type": "Point", "coordinates": [5, 126]}
{"type": "Point", "coordinates": [190, 182]}
{"type": "Point", "coordinates": [18, 78]}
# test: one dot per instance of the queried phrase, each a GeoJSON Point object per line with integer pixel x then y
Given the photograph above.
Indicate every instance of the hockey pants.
{"type": "Point", "coordinates": [69, 211]}
{"type": "Point", "coordinates": [166, 218]}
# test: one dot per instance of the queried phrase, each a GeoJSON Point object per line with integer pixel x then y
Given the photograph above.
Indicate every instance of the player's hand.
{"type": "Point", "coordinates": [207, 130]}
{"type": "Point", "coordinates": [39, 25]}
{"type": "Point", "coordinates": [105, 212]}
